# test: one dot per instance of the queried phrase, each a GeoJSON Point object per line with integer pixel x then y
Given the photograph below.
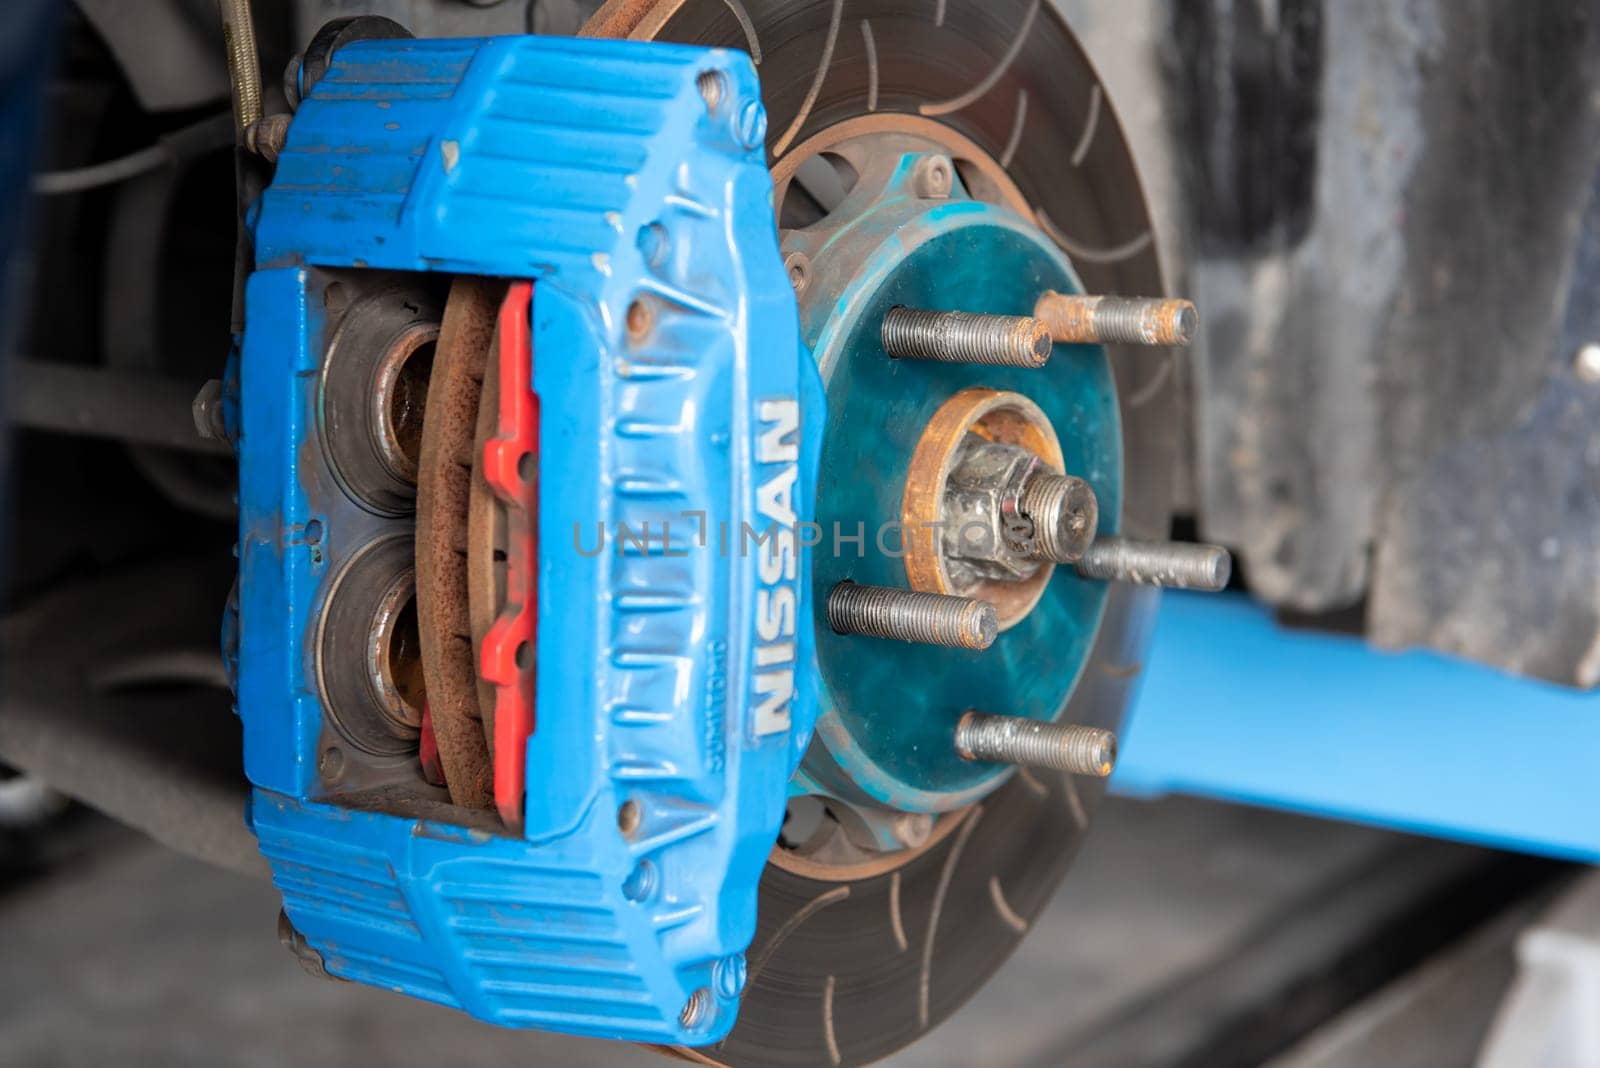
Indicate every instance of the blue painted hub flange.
{"type": "Point", "coordinates": [889, 708]}
{"type": "Point", "coordinates": [670, 673]}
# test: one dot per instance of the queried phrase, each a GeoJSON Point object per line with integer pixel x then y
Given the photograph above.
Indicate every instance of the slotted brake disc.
{"type": "Point", "coordinates": [857, 955]}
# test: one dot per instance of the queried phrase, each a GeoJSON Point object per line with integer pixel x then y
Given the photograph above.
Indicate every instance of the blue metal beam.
{"type": "Point", "coordinates": [1236, 707]}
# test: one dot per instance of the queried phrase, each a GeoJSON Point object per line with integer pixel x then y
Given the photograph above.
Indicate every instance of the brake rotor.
{"type": "Point", "coordinates": [853, 961]}
{"type": "Point", "coordinates": [447, 470]}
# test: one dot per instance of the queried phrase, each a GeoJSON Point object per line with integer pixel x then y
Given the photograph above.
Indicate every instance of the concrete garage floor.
{"type": "Point", "coordinates": [1178, 925]}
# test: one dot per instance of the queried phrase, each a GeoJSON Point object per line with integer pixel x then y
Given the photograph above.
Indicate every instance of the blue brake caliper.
{"type": "Point", "coordinates": [676, 674]}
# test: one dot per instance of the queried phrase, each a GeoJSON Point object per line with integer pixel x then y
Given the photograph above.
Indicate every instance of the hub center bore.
{"type": "Point", "coordinates": [978, 457]}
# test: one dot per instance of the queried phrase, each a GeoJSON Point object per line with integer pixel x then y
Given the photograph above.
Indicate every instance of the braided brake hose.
{"type": "Point", "coordinates": [244, 64]}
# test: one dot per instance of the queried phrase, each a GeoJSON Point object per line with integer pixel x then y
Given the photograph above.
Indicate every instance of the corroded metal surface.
{"type": "Point", "coordinates": [629, 18]}
{"type": "Point", "coordinates": [1006, 418]}
{"type": "Point", "coordinates": [443, 495]}
{"type": "Point", "coordinates": [856, 139]}
{"type": "Point", "coordinates": [1075, 319]}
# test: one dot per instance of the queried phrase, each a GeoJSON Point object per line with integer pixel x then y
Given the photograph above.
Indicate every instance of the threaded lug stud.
{"type": "Point", "coordinates": [1031, 743]}
{"type": "Point", "coordinates": [1117, 320]}
{"type": "Point", "coordinates": [929, 618]}
{"type": "Point", "coordinates": [1064, 513]}
{"type": "Point", "coordinates": [963, 337]}
{"type": "Point", "coordinates": [1173, 564]}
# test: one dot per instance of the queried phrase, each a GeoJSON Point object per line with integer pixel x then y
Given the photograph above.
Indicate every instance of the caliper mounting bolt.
{"type": "Point", "coordinates": [1075, 319]}
{"type": "Point", "coordinates": [1174, 564]}
{"type": "Point", "coordinates": [965, 337]}
{"type": "Point", "coordinates": [929, 618]}
{"type": "Point", "coordinates": [1032, 743]}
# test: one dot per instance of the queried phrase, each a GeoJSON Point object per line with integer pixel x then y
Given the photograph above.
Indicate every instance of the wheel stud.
{"type": "Point", "coordinates": [1116, 320]}
{"type": "Point", "coordinates": [929, 618]}
{"type": "Point", "coordinates": [1174, 564]}
{"type": "Point", "coordinates": [1032, 743]}
{"type": "Point", "coordinates": [962, 337]}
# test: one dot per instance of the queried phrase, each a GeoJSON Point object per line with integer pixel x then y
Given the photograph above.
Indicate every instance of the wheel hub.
{"type": "Point", "coordinates": [901, 228]}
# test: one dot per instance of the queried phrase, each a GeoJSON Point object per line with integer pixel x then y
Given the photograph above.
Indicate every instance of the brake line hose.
{"type": "Point", "coordinates": [244, 64]}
